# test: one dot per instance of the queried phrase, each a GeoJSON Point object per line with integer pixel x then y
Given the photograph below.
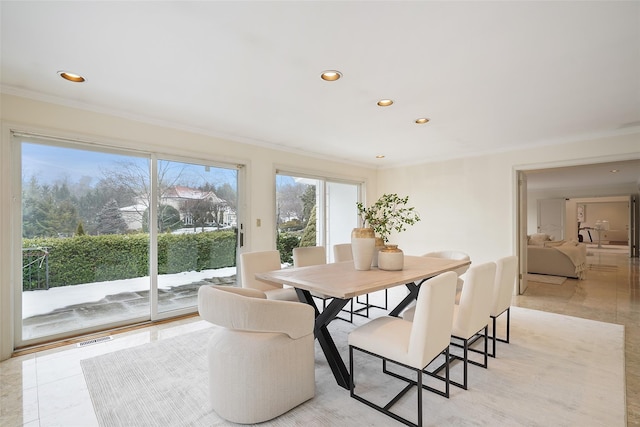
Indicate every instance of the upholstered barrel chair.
{"type": "Point", "coordinates": [261, 359]}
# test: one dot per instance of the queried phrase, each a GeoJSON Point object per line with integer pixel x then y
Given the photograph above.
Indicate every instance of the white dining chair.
{"type": "Point", "coordinates": [471, 316]}
{"type": "Point", "coordinates": [455, 255]}
{"type": "Point", "coordinates": [309, 255]}
{"type": "Point", "coordinates": [506, 275]}
{"type": "Point", "coordinates": [413, 345]}
{"type": "Point", "coordinates": [260, 262]}
{"type": "Point", "coordinates": [342, 252]}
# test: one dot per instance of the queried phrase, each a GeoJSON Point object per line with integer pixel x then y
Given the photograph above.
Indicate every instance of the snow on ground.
{"type": "Point", "coordinates": [46, 301]}
{"type": "Point", "coordinates": [192, 230]}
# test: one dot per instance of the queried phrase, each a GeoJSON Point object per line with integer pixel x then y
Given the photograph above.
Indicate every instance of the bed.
{"type": "Point", "coordinates": [557, 258]}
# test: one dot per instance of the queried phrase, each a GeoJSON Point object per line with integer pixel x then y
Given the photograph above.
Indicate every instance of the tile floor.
{"type": "Point", "coordinates": [47, 388]}
{"type": "Point", "coordinates": [610, 293]}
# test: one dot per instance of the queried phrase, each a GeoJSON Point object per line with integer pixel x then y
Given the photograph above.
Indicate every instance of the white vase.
{"type": "Point", "coordinates": [379, 245]}
{"type": "Point", "coordinates": [363, 245]}
{"type": "Point", "coordinates": [391, 258]}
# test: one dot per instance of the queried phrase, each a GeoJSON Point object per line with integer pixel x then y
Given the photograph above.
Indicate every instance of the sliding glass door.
{"type": "Point", "coordinates": [97, 252]}
{"type": "Point", "coordinates": [197, 231]}
{"type": "Point", "coordinates": [83, 262]}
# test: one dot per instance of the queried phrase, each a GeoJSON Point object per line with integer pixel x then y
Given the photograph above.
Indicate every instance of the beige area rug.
{"type": "Point", "coordinates": [543, 278]}
{"type": "Point", "coordinates": [558, 370]}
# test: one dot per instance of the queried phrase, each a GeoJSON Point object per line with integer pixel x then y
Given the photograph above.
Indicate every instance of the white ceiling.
{"type": "Point", "coordinates": [588, 180]}
{"type": "Point", "coordinates": [491, 76]}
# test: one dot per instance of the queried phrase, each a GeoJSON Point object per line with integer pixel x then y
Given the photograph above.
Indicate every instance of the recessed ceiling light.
{"type": "Point", "coordinates": [385, 102]}
{"type": "Point", "coordinates": [72, 77]}
{"type": "Point", "coordinates": [614, 170]}
{"type": "Point", "coordinates": [380, 156]}
{"type": "Point", "coordinates": [422, 120]}
{"type": "Point", "coordinates": [330, 75]}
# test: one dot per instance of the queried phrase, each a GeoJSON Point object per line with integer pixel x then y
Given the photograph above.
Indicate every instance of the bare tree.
{"type": "Point", "coordinates": [133, 178]}
{"type": "Point", "coordinates": [289, 201]}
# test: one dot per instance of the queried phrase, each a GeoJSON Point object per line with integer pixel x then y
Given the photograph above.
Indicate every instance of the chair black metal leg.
{"type": "Point", "coordinates": [447, 380]}
{"type": "Point", "coordinates": [466, 363]}
{"type": "Point", "coordinates": [493, 336]}
{"type": "Point", "coordinates": [508, 325]}
{"type": "Point", "coordinates": [486, 346]}
{"type": "Point", "coordinates": [352, 385]}
{"type": "Point", "coordinates": [419, 382]}
{"type": "Point", "coordinates": [466, 347]}
{"type": "Point", "coordinates": [369, 305]}
{"type": "Point", "coordinates": [419, 397]}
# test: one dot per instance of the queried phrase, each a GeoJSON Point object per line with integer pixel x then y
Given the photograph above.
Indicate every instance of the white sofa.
{"type": "Point", "coordinates": [556, 258]}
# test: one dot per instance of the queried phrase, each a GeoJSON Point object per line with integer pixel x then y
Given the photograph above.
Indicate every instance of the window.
{"type": "Point", "coordinates": [314, 211]}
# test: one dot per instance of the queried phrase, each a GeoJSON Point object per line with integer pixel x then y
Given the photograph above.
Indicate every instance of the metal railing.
{"type": "Point", "coordinates": [35, 268]}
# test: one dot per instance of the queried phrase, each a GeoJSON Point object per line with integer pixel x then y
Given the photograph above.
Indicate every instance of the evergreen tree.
{"type": "Point", "coordinates": [110, 219]}
{"type": "Point", "coordinates": [308, 237]}
{"type": "Point", "coordinates": [80, 230]}
{"type": "Point", "coordinates": [65, 218]}
{"type": "Point", "coordinates": [48, 211]}
{"type": "Point", "coordinates": [168, 219]}
{"type": "Point", "coordinates": [308, 203]}
{"type": "Point", "coordinates": [227, 193]}
{"type": "Point", "coordinates": [31, 192]}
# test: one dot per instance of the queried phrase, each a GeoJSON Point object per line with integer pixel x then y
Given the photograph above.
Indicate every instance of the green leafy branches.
{"type": "Point", "coordinates": [389, 213]}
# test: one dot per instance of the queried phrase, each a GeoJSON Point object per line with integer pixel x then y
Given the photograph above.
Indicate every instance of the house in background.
{"type": "Point", "coordinates": [196, 208]}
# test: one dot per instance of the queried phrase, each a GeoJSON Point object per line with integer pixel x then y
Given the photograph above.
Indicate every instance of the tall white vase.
{"type": "Point", "coordinates": [363, 245]}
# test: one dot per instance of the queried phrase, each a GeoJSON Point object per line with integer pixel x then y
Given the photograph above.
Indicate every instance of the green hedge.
{"type": "Point", "coordinates": [88, 259]}
{"type": "Point", "coordinates": [286, 242]}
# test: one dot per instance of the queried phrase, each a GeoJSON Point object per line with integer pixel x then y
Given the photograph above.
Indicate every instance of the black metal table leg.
{"type": "Point", "coordinates": [324, 338]}
{"type": "Point", "coordinates": [413, 294]}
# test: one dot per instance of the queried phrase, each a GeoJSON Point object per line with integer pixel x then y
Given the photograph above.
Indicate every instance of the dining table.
{"type": "Point", "coordinates": [342, 282]}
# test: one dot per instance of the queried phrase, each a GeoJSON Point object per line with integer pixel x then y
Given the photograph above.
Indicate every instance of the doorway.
{"type": "Point", "coordinates": [570, 184]}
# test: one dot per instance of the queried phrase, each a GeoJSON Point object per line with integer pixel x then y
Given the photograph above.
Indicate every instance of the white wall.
{"type": "Point", "coordinates": [619, 193]}
{"type": "Point", "coordinates": [49, 119]}
{"type": "Point", "coordinates": [613, 209]}
{"type": "Point", "coordinates": [470, 204]}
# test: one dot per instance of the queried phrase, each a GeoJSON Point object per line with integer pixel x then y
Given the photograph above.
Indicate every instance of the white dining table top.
{"type": "Point", "coordinates": [342, 280]}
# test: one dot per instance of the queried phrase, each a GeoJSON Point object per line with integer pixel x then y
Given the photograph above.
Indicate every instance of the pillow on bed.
{"type": "Point", "coordinates": [538, 239]}
{"type": "Point", "coordinates": [554, 243]}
